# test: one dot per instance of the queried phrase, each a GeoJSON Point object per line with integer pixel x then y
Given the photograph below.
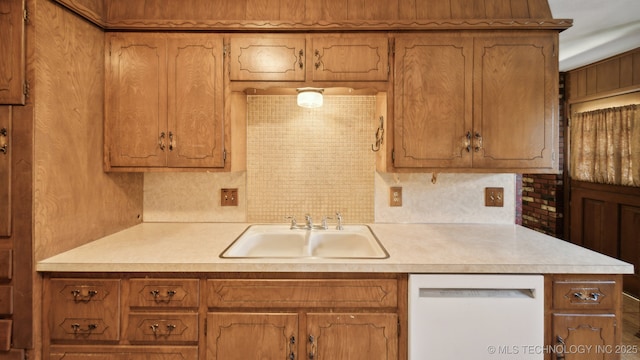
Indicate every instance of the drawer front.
{"type": "Point", "coordinates": [84, 310]}
{"type": "Point", "coordinates": [5, 334]}
{"type": "Point", "coordinates": [578, 294]}
{"type": "Point", "coordinates": [163, 328]}
{"type": "Point", "coordinates": [6, 300]}
{"type": "Point", "coordinates": [164, 293]}
{"type": "Point", "coordinates": [5, 264]}
{"type": "Point", "coordinates": [304, 293]}
{"type": "Point", "coordinates": [58, 352]}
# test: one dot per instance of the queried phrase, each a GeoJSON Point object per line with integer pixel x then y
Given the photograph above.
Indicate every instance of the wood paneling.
{"type": "Point", "coordinates": [270, 14]}
{"type": "Point", "coordinates": [76, 201]}
{"type": "Point", "coordinates": [616, 75]}
{"type": "Point", "coordinates": [606, 218]}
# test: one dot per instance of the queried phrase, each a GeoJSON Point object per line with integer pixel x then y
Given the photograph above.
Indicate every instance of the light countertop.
{"type": "Point", "coordinates": [413, 248]}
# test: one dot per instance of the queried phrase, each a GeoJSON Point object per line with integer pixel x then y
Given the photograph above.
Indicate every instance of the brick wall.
{"type": "Point", "coordinates": [542, 195]}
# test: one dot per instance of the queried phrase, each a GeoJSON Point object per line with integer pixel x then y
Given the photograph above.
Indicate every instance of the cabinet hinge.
{"type": "Point", "coordinates": [26, 89]}
{"type": "Point", "coordinates": [553, 156]}
{"type": "Point", "coordinates": [399, 327]}
{"type": "Point", "coordinates": [25, 15]}
{"type": "Point", "coordinates": [205, 326]}
{"type": "Point", "coordinates": [393, 156]}
{"type": "Point", "coordinates": [224, 155]}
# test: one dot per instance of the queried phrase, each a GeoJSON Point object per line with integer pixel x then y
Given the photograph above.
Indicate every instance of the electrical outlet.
{"type": "Point", "coordinates": [395, 196]}
{"type": "Point", "coordinates": [229, 197]}
{"type": "Point", "coordinates": [494, 196]}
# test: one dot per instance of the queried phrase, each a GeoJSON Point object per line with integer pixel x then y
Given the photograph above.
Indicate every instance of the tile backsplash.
{"type": "Point", "coordinates": [319, 161]}
{"type": "Point", "coordinates": [315, 161]}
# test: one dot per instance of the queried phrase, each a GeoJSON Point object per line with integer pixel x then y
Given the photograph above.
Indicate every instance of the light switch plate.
{"type": "Point", "coordinates": [494, 196]}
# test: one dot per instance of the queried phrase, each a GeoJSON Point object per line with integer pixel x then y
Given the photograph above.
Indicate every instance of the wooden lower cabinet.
{"type": "Point", "coordinates": [352, 336]}
{"type": "Point", "coordinates": [229, 316]}
{"type": "Point", "coordinates": [240, 336]}
{"type": "Point", "coordinates": [584, 317]}
{"type": "Point", "coordinates": [123, 353]}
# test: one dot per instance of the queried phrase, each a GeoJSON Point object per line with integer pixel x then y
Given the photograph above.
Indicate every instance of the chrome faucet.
{"type": "Point", "coordinates": [309, 221]}
{"type": "Point", "coordinates": [339, 221]}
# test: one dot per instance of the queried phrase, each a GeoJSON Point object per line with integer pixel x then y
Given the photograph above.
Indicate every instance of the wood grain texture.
{"type": "Point", "coordinates": [12, 52]}
{"type": "Point", "coordinates": [617, 75]}
{"type": "Point", "coordinates": [231, 15]}
{"type": "Point", "coordinates": [76, 201]}
{"type": "Point", "coordinates": [5, 170]}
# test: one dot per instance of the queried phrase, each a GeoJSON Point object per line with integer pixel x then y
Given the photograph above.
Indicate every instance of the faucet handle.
{"type": "Point", "coordinates": [324, 224]}
{"type": "Point", "coordinates": [339, 218]}
{"type": "Point", "coordinates": [294, 223]}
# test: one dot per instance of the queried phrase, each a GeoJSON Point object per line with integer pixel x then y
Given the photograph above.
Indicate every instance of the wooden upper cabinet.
{"type": "Point", "coordinates": [136, 100]}
{"type": "Point", "coordinates": [267, 58]}
{"type": "Point", "coordinates": [299, 57]}
{"type": "Point", "coordinates": [164, 101]}
{"type": "Point", "coordinates": [350, 58]}
{"type": "Point", "coordinates": [432, 97]}
{"type": "Point", "coordinates": [486, 102]}
{"type": "Point", "coordinates": [516, 102]}
{"type": "Point", "coordinates": [195, 102]}
{"type": "Point", "coordinates": [12, 54]}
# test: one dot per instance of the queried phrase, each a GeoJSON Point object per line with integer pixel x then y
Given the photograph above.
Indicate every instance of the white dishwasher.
{"type": "Point", "coordinates": [476, 317]}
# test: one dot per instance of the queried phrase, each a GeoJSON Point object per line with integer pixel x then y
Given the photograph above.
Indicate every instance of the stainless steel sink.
{"type": "Point", "coordinates": [279, 241]}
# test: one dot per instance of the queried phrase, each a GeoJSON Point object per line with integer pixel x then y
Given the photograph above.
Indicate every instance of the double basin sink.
{"type": "Point", "coordinates": [280, 241]}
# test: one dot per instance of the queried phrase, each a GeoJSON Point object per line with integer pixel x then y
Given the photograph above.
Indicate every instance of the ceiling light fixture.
{"type": "Point", "coordinates": [310, 97]}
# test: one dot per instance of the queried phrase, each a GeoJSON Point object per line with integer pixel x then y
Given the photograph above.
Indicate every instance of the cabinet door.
{"type": "Point", "coordinates": [585, 336]}
{"type": "Point", "coordinates": [196, 101]}
{"type": "Point", "coordinates": [516, 102]}
{"type": "Point", "coordinates": [432, 91]}
{"type": "Point", "coordinates": [136, 100]}
{"type": "Point", "coordinates": [5, 170]}
{"type": "Point", "coordinates": [350, 58]}
{"type": "Point", "coordinates": [352, 336]}
{"type": "Point", "coordinates": [267, 58]}
{"type": "Point", "coordinates": [12, 58]}
{"type": "Point", "coordinates": [241, 336]}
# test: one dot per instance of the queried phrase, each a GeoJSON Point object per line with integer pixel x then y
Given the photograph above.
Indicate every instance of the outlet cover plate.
{"type": "Point", "coordinates": [229, 197]}
{"type": "Point", "coordinates": [395, 196]}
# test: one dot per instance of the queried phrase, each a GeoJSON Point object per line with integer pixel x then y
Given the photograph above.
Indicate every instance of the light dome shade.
{"type": "Point", "coordinates": [310, 98]}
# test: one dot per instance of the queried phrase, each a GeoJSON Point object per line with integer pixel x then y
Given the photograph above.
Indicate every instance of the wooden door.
{"type": "Point", "coordinates": [12, 54]}
{"type": "Point", "coordinates": [433, 98]}
{"type": "Point", "coordinates": [5, 170]}
{"type": "Point", "coordinates": [358, 57]}
{"type": "Point", "coordinates": [584, 336]}
{"type": "Point", "coordinates": [241, 336]}
{"type": "Point", "coordinates": [352, 336]}
{"type": "Point", "coordinates": [195, 101]}
{"type": "Point", "coordinates": [267, 58]}
{"type": "Point", "coordinates": [516, 102]}
{"type": "Point", "coordinates": [136, 100]}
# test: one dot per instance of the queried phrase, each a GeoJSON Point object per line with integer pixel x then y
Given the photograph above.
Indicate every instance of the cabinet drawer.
{"type": "Point", "coordinates": [58, 352]}
{"type": "Point", "coordinates": [584, 294]}
{"type": "Point", "coordinates": [163, 327]}
{"type": "Point", "coordinates": [84, 310]}
{"type": "Point", "coordinates": [6, 300]}
{"type": "Point", "coordinates": [5, 264]}
{"type": "Point", "coordinates": [164, 293]}
{"type": "Point", "coordinates": [5, 335]}
{"type": "Point", "coordinates": [305, 292]}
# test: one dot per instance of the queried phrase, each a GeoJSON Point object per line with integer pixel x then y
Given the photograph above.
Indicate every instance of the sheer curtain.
{"type": "Point", "coordinates": [605, 146]}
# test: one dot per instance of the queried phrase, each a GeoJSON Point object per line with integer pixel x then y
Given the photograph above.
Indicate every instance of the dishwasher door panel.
{"type": "Point", "coordinates": [476, 317]}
